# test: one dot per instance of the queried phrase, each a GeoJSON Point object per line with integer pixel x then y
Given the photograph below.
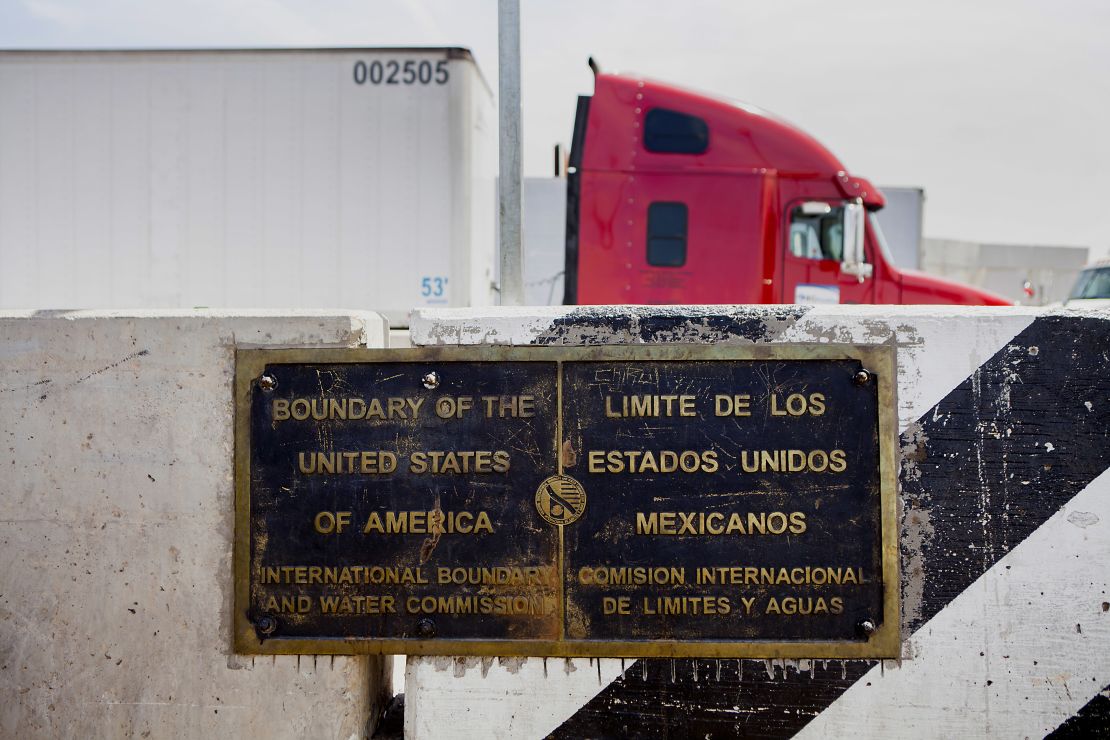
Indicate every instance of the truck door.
{"type": "Point", "coordinates": [814, 251]}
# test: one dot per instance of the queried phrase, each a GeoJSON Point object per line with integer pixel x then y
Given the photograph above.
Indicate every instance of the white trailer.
{"type": "Point", "coordinates": [902, 219]}
{"type": "Point", "coordinates": [323, 178]}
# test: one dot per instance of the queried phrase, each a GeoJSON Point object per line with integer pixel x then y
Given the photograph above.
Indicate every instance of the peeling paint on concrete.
{"type": "Point", "coordinates": [913, 451]}
{"type": "Point", "coordinates": [661, 324]}
{"type": "Point", "coordinates": [593, 325]}
{"type": "Point", "coordinates": [464, 664]}
{"type": "Point", "coordinates": [512, 665]}
{"type": "Point", "coordinates": [917, 531]}
{"type": "Point", "coordinates": [1083, 519]}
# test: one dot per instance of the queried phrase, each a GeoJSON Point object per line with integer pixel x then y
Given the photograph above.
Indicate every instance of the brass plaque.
{"type": "Point", "coordinates": [589, 501]}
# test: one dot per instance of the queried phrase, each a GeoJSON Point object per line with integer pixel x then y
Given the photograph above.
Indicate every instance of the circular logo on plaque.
{"type": "Point", "coordinates": [560, 499]}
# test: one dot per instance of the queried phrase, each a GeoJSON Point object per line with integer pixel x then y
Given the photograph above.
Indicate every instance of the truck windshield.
{"type": "Point", "coordinates": [1092, 283]}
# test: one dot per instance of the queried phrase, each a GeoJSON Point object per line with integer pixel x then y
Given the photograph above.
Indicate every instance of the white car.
{"type": "Point", "coordinates": [1092, 287]}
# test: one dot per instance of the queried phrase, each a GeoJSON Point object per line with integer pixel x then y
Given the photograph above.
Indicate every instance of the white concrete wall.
{"type": "Point", "coordinates": [545, 228]}
{"type": "Point", "coordinates": [1017, 627]}
{"type": "Point", "coordinates": [116, 525]}
{"type": "Point", "coordinates": [1004, 268]}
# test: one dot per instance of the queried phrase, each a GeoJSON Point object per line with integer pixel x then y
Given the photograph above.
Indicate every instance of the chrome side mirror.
{"type": "Point", "coordinates": [862, 270]}
{"type": "Point", "coordinates": [854, 262]}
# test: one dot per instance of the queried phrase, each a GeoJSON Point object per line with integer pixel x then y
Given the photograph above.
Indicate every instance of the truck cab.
{"type": "Point", "coordinates": [677, 197]}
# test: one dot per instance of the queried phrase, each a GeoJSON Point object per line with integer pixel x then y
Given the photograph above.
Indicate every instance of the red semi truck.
{"type": "Point", "coordinates": [676, 197]}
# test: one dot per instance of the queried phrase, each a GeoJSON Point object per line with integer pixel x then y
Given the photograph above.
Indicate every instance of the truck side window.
{"type": "Point", "coordinates": [817, 236]}
{"type": "Point", "coordinates": [671, 132]}
{"type": "Point", "coordinates": [666, 234]}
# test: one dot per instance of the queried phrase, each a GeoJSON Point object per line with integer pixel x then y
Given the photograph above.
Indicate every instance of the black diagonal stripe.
{"type": "Point", "coordinates": [699, 698]}
{"type": "Point", "coordinates": [1004, 451]}
{"type": "Point", "coordinates": [978, 479]}
{"type": "Point", "coordinates": [1092, 722]}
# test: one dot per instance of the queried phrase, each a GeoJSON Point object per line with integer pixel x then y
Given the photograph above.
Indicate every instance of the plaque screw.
{"type": "Point", "coordinates": [430, 380]}
{"type": "Point", "coordinates": [267, 382]}
{"type": "Point", "coordinates": [266, 625]}
{"type": "Point", "coordinates": [426, 628]}
{"type": "Point", "coordinates": [862, 377]}
{"type": "Point", "coordinates": [866, 627]}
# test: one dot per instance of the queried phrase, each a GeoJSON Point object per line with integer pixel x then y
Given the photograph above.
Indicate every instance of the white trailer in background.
{"type": "Point", "coordinates": [902, 219]}
{"type": "Point", "coordinates": [545, 250]}
{"type": "Point", "coordinates": [323, 178]}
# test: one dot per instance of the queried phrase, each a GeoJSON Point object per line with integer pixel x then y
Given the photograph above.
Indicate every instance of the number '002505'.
{"type": "Point", "coordinates": [406, 72]}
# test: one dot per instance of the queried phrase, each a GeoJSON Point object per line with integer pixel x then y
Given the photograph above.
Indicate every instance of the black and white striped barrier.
{"type": "Point", "coordinates": [1004, 417]}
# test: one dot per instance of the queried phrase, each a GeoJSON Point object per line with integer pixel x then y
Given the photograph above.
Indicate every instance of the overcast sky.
{"type": "Point", "coordinates": [1000, 109]}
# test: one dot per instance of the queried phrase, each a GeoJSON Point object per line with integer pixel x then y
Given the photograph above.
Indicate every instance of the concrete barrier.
{"type": "Point", "coordinates": [1004, 418]}
{"type": "Point", "coordinates": [116, 530]}
{"type": "Point", "coordinates": [116, 523]}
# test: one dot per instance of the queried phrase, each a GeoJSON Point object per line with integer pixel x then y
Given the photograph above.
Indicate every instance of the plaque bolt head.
{"type": "Point", "coordinates": [267, 382]}
{"type": "Point", "coordinates": [430, 380]}
{"type": "Point", "coordinates": [426, 628]}
{"type": "Point", "coordinates": [266, 625]}
{"type": "Point", "coordinates": [866, 627]}
{"type": "Point", "coordinates": [862, 377]}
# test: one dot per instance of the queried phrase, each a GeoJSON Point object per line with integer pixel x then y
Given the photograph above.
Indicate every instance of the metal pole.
{"type": "Point", "coordinates": [509, 148]}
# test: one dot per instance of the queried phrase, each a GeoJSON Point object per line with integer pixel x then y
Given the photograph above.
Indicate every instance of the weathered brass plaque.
{"type": "Point", "coordinates": [612, 501]}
